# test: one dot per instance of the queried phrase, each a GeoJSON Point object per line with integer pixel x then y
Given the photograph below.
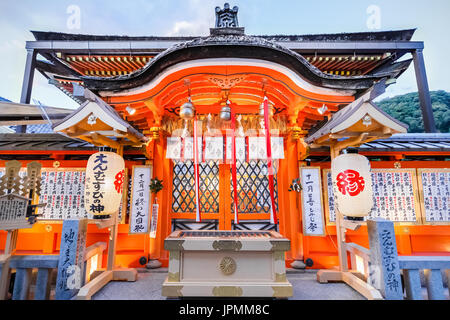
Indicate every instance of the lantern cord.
{"type": "Point", "coordinates": [187, 83]}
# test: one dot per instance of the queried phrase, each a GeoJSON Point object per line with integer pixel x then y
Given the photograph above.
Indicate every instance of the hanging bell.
{"type": "Point", "coordinates": [187, 110]}
{"type": "Point", "coordinates": [225, 112]}
{"type": "Point", "coordinates": [261, 110]}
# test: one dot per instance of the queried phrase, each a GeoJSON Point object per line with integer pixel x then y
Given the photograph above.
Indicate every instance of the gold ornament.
{"type": "Point", "coordinates": [297, 133]}
{"type": "Point", "coordinates": [155, 132]}
{"type": "Point", "coordinates": [227, 266]}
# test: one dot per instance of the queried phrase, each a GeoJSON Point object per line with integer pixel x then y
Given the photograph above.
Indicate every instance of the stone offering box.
{"type": "Point", "coordinates": [226, 264]}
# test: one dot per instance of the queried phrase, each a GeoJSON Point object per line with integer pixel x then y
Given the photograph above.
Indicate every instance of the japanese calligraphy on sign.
{"type": "Point", "coordinates": [393, 195]}
{"type": "Point", "coordinates": [140, 200]}
{"type": "Point", "coordinates": [154, 223]}
{"type": "Point", "coordinates": [71, 259]}
{"type": "Point", "coordinates": [434, 187]}
{"type": "Point", "coordinates": [97, 190]}
{"type": "Point", "coordinates": [13, 212]}
{"type": "Point", "coordinates": [63, 192]}
{"type": "Point", "coordinates": [311, 195]}
{"type": "Point", "coordinates": [384, 266]}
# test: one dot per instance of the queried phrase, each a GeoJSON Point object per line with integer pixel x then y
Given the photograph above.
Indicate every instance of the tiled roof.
{"type": "Point", "coordinates": [406, 142]}
{"type": "Point", "coordinates": [41, 141]}
{"type": "Point", "coordinates": [396, 35]}
{"type": "Point", "coordinates": [6, 129]}
{"type": "Point", "coordinates": [39, 128]}
{"type": "Point", "coordinates": [411, 142]}
{"type": "Point", "coordinates": [31, 128]}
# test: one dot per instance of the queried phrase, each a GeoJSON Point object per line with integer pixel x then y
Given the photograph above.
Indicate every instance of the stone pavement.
{"type": "Point", "coordinates": [149, 283]}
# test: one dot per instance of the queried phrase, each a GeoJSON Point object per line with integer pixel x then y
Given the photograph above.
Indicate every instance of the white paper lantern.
{"type": "Point", "coordinates": [105, 174]}
{"type": "Point", "coordinates": [352, 182]}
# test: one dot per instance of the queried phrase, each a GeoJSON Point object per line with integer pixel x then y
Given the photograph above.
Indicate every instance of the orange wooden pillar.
{"type": "Point", "coordinates": [289, 211]}
{"type": "Point", "coordinates": [166, 222]}
{"type": "Point", "coordinates": [159, 164]}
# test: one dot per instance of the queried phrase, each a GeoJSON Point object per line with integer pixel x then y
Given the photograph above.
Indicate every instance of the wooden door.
{"type": "Point", "coordinates": [216, 196]}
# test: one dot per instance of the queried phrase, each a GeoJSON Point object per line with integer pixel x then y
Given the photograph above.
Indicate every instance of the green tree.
{"type": "Point", "coordinates": [406, 108]}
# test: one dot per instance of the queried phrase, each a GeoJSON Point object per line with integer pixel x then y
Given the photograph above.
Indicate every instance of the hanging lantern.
{"type": "Point", "coordinates": [187, 110]}
{"type": "Point", "coordinates": [105, 173]}
{"type": "Point", "coordinates": [225, 112]}
{"type": "Point", "coordinates": [352, 183]}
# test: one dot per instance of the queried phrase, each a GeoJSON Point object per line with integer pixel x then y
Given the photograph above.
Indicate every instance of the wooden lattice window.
{"type": "Point", "coordinates": [253, 187]}
{"type": "Point", "coordinates": [183, 190]}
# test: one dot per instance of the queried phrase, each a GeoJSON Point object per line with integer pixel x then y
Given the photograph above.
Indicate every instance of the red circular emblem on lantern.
{"type": "Point", "coordinates": [118, 183]}
{"type": "Point", "coordinates": [350, 181]}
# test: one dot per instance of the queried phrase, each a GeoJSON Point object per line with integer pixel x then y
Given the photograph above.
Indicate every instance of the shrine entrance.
{"type": "Point", "coordinates": [217, 196]}
{"type": "Point", "coordinates": [156, 105]}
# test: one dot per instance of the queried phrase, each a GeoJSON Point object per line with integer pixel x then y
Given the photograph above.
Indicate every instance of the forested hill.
{"type": "Point", "coordinates": [406, 108]}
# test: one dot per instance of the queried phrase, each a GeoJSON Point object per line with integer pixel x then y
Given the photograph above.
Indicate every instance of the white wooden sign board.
{"type": "Point", "coordinates": [154, 223]}
{"type": "Point", "coordinates": [312, 207]}
{"type": "Point", "coordinates": [62, 190]}
{"type": "Point", "coordinates": [140, 200]}
{"type": "Point", "coordinates": [13, 212]}
{"type": "Point", "coordinates": [434, 186]}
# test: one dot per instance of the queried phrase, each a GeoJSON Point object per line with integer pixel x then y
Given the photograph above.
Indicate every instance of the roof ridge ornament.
{"type": "Point", "coordinates": [227, 21]}
{"type": "Point", "coordinates": [226, 17]}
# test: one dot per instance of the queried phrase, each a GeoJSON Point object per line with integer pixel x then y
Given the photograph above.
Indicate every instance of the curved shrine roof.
{"type": "Point", "coordinates": [266, 47]}
{"type": "Point", "coordinates": [396, 35]}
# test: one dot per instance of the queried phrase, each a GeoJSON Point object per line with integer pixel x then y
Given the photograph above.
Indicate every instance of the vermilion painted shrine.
{"type": "Point", "coordinates": [138, 96]}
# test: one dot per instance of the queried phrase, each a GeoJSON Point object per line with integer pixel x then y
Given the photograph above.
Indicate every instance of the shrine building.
{"type": "Point", "coordinates": [139, 96]}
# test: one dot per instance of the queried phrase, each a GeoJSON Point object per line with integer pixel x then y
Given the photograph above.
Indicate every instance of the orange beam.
{"type": "Point", "coordinates": [230, 71]}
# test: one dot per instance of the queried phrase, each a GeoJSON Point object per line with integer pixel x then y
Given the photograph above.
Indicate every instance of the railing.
{"type": "Point", "coordinates": [24, 266]}
{"type": "Point", "coordinates": [432, 266]}
{"type": "Point", "coordinates": [93, 259]}
{"type": "Point", "coordinates": [45, 264]}
{"type": "Point", "coordinates": [386, 267]}
{"type": "Point", "coordinates": [368, 265]}
{"type": "Point", "coordinates": [359, 258]}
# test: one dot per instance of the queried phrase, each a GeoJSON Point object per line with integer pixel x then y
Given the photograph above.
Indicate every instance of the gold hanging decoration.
{"type": "Point", "coordinates": [249, 122]}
